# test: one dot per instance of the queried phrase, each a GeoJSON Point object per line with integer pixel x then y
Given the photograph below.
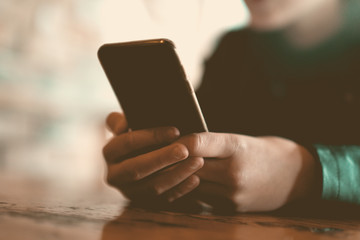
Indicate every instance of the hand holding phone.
{"type": "Point", "coordinates": [154, 178]}
{"type": "Point", "coordinates": [152, 89]}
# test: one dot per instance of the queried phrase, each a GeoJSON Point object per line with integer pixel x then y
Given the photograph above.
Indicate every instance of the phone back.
{"type": "Point", "coordinates": [151, 85]}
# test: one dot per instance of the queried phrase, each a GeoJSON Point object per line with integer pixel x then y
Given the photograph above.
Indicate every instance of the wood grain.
{"type": "Point", "coordinates": [35, 212]}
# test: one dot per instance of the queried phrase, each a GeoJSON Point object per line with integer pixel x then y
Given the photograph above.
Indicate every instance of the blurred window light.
{"type": "Point", "coordinates": [54, 95]}
{"type": "Point", "coordinates": [191, 24]}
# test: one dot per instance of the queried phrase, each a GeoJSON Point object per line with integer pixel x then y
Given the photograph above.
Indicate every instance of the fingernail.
{"type": "Point", "coordinates": [196, 164]}
{"type": "Point", "coordinates": [173, 133]}
{"type": "Point", "coordinates": [180, 152]}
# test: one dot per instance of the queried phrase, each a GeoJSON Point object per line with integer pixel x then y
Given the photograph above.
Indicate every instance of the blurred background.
{"type": "Point", "coordinates": [54, 96]}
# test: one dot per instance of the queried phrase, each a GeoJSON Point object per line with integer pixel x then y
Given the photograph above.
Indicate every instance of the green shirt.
{"type": "Point", "coordinates": [341, 172]}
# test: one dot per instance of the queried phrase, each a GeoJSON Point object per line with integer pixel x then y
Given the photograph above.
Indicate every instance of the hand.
{"type": "Point", "coordinates": [246, 173]}
{"type": "Point", "coordinates": [166, 173]}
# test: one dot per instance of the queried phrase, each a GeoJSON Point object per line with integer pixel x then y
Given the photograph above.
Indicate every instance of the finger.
{"type": "Point", "coordinates": [116, 123]}
{"type": "Point", "coordinates": [137, 168]}
{"type": "Point", "coordinates": [207, 188]}
{"type": "Point", "coordinates": [129, 142]}
{"type": "Point", "coordinates": [220, 197]}
{"type": "Point", "coordinates": [178, 181]}
{"type": "Point", "coordinates": [211, 145]}
{"type": "Point", "coordinates": [183, 188]}
{"type": "Point", "coordinates": [217, 170]}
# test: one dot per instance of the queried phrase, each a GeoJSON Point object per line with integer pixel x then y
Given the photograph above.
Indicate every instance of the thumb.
{"type": "Point", "coordinates": [210, 145]}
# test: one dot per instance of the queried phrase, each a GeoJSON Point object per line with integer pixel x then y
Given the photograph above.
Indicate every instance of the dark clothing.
{"type": "Point", "coordinates": [253, 88]}
{"type": "Point", "coordinates": [255, 84]}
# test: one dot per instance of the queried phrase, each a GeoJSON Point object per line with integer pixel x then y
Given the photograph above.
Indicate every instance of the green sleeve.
{"type": "Point", "coordinates": [341, 172]}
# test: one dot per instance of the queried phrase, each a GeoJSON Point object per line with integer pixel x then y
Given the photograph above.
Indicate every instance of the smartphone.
{"type": "Point", "coordinates": [151, 86]}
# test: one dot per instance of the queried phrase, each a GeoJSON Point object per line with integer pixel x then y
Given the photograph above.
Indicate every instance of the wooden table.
{"type": "Point", "coordinates": [29, 210]}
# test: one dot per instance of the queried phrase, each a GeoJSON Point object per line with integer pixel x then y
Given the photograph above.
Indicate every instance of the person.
{"type": "Point", "coordinates": [281, 99]}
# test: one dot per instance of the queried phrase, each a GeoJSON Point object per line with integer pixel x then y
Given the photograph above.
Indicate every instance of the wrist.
{"type": "Point", "coordinates": [313, 187]}
{"type": "Point", "coordinates": [306, 167]}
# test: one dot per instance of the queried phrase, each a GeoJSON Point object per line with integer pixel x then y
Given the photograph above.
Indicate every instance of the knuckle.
{"type": "Point", "coordinates": [237, 195]}
{"type": "Point", "coordinates": [110, 179]}
{"type": "Point", "coordinates": [234, 196]}
{"type": "Point", "coordinates": [232, 140]}
{"type": "Point", "coordinates": [241, 144]}
{"type": "Point", "coordinates": [106, 152]}
{"type": "Point", "coordinates": [241, 204]}
{"type": "Point", "coordinates": [235, 143]}
{"type": "Point", "coordinates": [236, 201]}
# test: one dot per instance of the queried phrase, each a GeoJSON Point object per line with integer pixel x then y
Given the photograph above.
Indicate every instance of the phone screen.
{"type": "Point", "coordinates": [151, 85]}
